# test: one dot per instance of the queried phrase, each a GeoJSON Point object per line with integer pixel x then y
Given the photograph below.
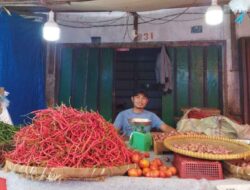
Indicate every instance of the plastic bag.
{"type": "Point", "coordinates": [4, 103]}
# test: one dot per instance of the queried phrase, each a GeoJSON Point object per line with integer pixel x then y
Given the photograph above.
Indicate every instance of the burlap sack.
{"type": "Point", "coordinates": [214, 126]}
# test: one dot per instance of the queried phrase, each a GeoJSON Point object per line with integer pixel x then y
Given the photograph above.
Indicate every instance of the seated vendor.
{"type": "Point", "coordinates": [140, 101]}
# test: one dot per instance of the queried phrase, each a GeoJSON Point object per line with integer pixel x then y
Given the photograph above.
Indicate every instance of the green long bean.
{"type": "Point", "coordinates": [7, 132]}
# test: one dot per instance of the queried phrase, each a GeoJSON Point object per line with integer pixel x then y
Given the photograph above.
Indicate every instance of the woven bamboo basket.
{"type": "Point", "coordinates": [65, 173]}
{"type": "Point", "coordinates": [238, 150]}
{"type": "Point", "coordinates": [3, 148]}
{"type": "Point", "coordinates": [237, 171]}
{"type": "Point", "coordinates": [158, 145]}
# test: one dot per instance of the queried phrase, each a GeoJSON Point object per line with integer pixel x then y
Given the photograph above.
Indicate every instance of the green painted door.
{"type": "Point", "coordinates": [85, 79]}
{"type": "Point", "coordinates": [197, 80]}
{"type": "Point", "coordinates": [65, 71]}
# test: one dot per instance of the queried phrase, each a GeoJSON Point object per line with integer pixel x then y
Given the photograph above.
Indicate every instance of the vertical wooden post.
{"type": "Point", "coordinates": [235, 61]}
{"type": "Point", "coordinates": [50, 73]}
{"type": "Point", "coordinates": [234, 44]}
{"type": "Point", "coordinates": [245, 79]}
{"type": "Point", "coordinates": [135, 24]}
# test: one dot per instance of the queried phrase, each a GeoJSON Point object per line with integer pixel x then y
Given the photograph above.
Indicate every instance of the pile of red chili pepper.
{"type": "Point", "coordinates": [66, 137]}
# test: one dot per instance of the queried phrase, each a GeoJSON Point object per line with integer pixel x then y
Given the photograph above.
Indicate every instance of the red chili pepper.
{"type": "Point", "coordinates": [67, 137]}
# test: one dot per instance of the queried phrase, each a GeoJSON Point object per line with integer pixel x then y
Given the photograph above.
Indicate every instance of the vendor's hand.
{"type": "Point", "coordinates": [166, 128]}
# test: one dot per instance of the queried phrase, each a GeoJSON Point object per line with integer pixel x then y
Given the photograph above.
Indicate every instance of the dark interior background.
{"type": "Point", "coordinates": [135, 69]}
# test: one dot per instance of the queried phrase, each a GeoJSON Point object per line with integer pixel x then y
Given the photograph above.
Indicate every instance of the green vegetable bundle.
{"type": "Point", "coordinates": [7, 132]}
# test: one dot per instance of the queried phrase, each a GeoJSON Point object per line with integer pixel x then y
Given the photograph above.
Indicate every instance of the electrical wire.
{"type": "Point", "coordinates": [175, 16]}
{"type": "Point", "coordinates": [101, 21]}
{"type": "Point", "coordinates": [95, 26]}
{"type": "Point", "coordinates": [176, 20]}
{"type": "Point", "coordinates": [153, 21]}
{"type": "Point", "coordinates": [190, 13]}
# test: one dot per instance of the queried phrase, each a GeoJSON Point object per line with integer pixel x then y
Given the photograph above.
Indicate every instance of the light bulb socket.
{"type": "Point", "coordinates": [51, 16]}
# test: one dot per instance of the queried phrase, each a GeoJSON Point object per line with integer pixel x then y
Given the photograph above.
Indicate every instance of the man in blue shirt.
{"type": "Point", "coordinates": [140, 101]}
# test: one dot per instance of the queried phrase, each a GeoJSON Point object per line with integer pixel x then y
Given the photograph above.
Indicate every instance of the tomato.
{"type": "Point", "coordinates": [145, 171]}
{"type": "Point", "coordinates": [173, 170]}
{"type": "Point", "coordinates": [163, 168]}
{"type": "Point", "coordinates": [139, 172]}
{"type": "Point", "coordinates": [148, 174]}
{"type": "Point", "coordinates": [133, 172]}
{"type": "Point", "coordinates": [158, 161]}
{"type": "Point", "coordinates": [144, 163]}
{"type": "Point", "coordinates": [153, 166]}
{"type": "Point", "coordinates": [162, 174]}
{"type": "Point", "coordinates": [146, 155]}
{"type": "Point", "coordinates": [155, 173]}
{"type": "Point", "coordinates": [168, 173]}
{"type": "Point", "coordinates": [136, 158]}
{"type": "Point", "coordinates": [153, 162]}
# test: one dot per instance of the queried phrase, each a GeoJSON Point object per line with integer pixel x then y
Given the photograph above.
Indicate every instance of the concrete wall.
{"type": "Point", "coordinates": [169, 29]}
{"type": "Point", "coordinates": [163, 30]}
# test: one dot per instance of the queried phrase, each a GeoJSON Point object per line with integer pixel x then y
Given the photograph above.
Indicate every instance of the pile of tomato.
{"type": "Point", "coordinates": [150, 168]}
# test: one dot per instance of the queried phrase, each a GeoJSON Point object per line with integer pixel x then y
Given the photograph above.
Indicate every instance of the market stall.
{"type": "Point", "coordinates": [67, 148]}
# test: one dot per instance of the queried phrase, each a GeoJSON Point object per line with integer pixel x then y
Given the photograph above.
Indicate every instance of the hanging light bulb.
{"type": "Point", "coordinates": [51, 30]}
{"type": "Point", "coordinates": [214, 14]}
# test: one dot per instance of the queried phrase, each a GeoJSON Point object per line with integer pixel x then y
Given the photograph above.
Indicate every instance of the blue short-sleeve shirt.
{"type": "Point", "coordinates": [122, 120]}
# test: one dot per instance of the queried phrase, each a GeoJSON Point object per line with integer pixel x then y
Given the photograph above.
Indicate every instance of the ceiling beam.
{"type": "Point", "coordinates": [103, 5]}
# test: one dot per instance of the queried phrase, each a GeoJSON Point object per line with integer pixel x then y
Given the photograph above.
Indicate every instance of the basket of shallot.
{"type": "Point", "coordinates": [207, 147]}
{"type": "Point", "coordinates": [238, 168]}
{"type": "Point", "coordinates": [158, 138]}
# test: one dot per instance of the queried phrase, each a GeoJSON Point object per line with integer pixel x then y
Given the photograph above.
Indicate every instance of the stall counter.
{"type": "Point", "coordinates": [16, 182]}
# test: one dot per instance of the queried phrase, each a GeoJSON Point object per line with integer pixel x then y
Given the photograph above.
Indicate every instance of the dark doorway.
{"type": "Point", "coordinates": [196, 74]}
{"type": "Point", "coordinates": [133, 69]}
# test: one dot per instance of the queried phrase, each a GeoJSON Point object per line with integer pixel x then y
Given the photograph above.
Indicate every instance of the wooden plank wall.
{"type": "Point", "coordinates": [65, 76]}
{"type": "Point", "coordinates": [168, 100]}
{"type": "Point", "coordinates": [244, 44]}
{"type": "Point", "coordinates": [85, 79]}
{"type": "Point", "coordinates": [197, 73]}
{"type": "Point", "coordinates": [181, 77]}
{"type": "Point", "coordinates": [106, 83]}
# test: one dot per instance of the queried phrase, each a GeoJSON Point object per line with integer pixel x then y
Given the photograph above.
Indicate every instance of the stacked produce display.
{"type": "Point", "coordinates": [203, 148]}
{"type": "Point", "coordinates": [159, 137]}
{"type": "Point", "coordinates": [151, 168]}
{"type": "Point", "coordinates": [66, 137]}
{"type": "Point", "coordinates": [198, 145]}
{"type": "Point", "coordinates": [65, 143]}
{"type": "Point", "coordinates": [207, 147]}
